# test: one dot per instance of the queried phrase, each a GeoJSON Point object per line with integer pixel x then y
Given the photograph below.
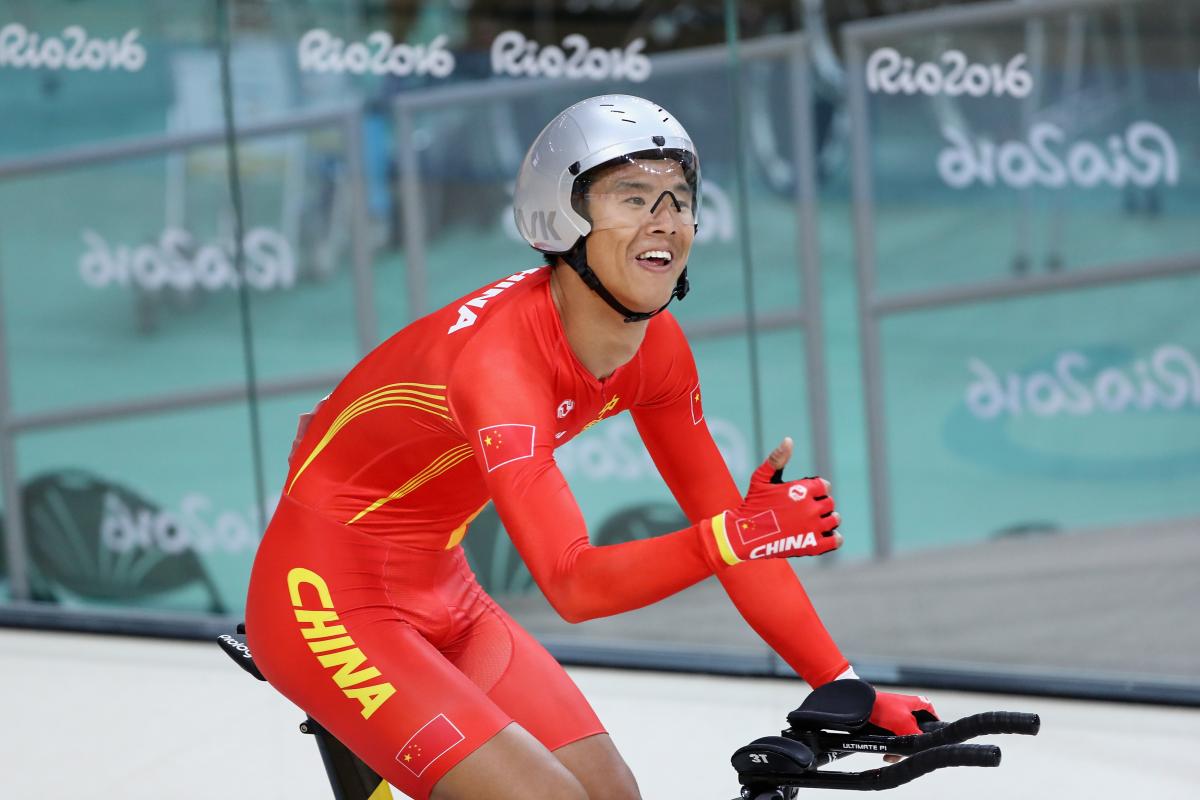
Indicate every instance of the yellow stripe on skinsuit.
{"type": "Point", "coordinates": [382, 792]}
{"type": "Point", "coordinates": [461, 530]}
{"type": "Point", "coordinates": [447, 460]}
{"type": "Point", "coordinates": [389, 396]}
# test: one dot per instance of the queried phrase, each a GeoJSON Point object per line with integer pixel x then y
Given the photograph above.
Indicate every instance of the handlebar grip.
{"type": "Point", "coordinates": [991, 722]}
{"type": "Point", "coordinates": [926, 761]}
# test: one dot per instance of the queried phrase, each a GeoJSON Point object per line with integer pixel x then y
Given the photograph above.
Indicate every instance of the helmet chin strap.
{"type": "Point", "coordinates": [576, 257]}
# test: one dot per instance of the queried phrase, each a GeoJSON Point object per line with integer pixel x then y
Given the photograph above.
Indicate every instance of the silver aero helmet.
{"type": "Point", "coordinates": [590, 135]}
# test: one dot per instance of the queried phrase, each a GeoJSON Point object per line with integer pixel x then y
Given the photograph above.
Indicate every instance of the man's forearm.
{"type": "Point", "coordinates": [771, 599]}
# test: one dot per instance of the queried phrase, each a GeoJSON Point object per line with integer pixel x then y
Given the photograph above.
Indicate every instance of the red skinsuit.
{"type": "Point", "coordinates": [362, 609]}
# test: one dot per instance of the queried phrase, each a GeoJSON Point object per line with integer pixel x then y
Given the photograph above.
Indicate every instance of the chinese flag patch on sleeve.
{"type": "Point", "coordinates": [503, 444]}
{"type": "Point", "coordinates": [431, 742]}
{"type": "Point", "coordinates": [697, 410]}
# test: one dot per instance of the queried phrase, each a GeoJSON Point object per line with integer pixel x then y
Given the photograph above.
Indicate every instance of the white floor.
{"type": "Point", "coordinates": [107, 717]}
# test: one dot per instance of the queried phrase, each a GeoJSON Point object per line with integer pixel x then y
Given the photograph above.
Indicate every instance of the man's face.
{"type": "Point", "coordinates": [640, 236]}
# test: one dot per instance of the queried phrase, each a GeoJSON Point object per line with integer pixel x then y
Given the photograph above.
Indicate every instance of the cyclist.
{"type": "Point", "coordinates": [362, 609]}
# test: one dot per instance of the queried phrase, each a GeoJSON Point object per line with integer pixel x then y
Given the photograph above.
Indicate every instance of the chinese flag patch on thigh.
{"type": "Point", "coordinates": [431, 742]}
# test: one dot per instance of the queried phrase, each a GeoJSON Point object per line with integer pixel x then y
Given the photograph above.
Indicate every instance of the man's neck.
{"type": "Point", "coordinates": [600, 337]}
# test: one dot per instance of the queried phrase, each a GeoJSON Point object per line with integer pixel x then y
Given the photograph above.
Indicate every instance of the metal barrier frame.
{"type": "Point", "coordinates": [873, 308]}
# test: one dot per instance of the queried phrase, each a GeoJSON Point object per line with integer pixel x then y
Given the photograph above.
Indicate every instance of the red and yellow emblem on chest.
{"type": "Point", "coordinates": [604, 411]}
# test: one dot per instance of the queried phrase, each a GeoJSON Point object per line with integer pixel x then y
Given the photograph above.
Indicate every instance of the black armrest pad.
{"type": "Point", "coordinates": [844, 705]}
{"type": "Point", "coordinates": [772, 756]}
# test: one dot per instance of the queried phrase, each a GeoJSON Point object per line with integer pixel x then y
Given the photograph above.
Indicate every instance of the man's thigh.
{"type": "Point", "coordinates": [541, 697]}
{"type": "Point", "coordinates": [329, 641]}
{"type": "Point", "coordinates": [524, 680]}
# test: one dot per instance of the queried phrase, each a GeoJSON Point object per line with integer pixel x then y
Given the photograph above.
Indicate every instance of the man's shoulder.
{"type": "Point", "coordinates": [490, 301]}
{"type": "Point", "coordinates": [664, 336]}
{"type": "Point", "coordinates": [503, 352]}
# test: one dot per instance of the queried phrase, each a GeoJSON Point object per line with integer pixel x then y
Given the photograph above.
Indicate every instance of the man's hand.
{"type": "Point", "coordinates": [778, 519]}
{"type": "Point", "coordinates": [302, 427]}
{"type": "Point", "coordinates": [900, 713]}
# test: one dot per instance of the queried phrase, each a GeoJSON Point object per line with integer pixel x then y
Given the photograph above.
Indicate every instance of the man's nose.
{"type": "Point", "coordinates": [665, 212]}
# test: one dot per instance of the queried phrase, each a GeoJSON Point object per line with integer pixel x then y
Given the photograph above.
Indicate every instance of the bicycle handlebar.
{"type": "Point", "coordinates": [889, 777]}
{"type": "Point", "coordinates": [823, 727]}
{"type": "Point", "coordinates": [832, 746]}
{"type": "Point", "coordinates": [926, 761]}
{"type": "Point", "coordinates": [987, 723]}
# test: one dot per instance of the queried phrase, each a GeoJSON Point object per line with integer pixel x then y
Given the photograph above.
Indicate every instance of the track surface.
{"type": "Point", "coordinates": [108, 717]}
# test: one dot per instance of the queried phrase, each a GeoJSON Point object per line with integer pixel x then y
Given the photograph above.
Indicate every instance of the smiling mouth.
{"type": "Point", "coordinates": [657, 260]}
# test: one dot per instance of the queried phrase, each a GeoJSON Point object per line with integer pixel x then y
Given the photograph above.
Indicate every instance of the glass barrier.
{"type": "Point", "coordinates": [1029, 145]}
{"type": "Point", "coordinates": [117, 302]}
{"type": "Point", "coordinates": [1025, 282]}
{"type": "Point", "coordinates": [1074, 399]}
{"type": "Point", "coordinates": [948, 252]}
{"type": "Point", "coordinates": [80, 74]}
{"type": "Point", "coordinates": [107, 526]}
{"type": "Point", "coordinates": [125, 452]}
{"type": "Point", "coordinates": [300, 194]}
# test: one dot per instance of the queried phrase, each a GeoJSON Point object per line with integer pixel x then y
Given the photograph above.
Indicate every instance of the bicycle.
{"type": "Point", "coordinates": [831, 723]}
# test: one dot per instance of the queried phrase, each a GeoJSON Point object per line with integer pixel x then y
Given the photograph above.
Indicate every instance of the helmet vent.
{"type": "Point", "coordinates": [658, 140]}
{"type": "Point", "coordinates": [623, 119]}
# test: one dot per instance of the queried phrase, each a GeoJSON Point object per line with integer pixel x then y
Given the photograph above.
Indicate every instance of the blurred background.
{"type": "Point", "coordinates": [950, 248]}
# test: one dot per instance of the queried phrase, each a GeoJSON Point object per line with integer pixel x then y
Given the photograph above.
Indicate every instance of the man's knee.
{"type": "Point", "coordinates": [524, 787]}
{"type": "Point", "coordinates": [511, 766]}
{"type": "Point", "coordinates": [621, 785]}
{"type": "Point", "coordinates": [548, 786]}
{"type": "Point", "coordinates": [600, 769]}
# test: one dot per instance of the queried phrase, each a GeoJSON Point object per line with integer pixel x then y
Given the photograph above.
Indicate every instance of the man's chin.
{"type": "Point", "coordinates": [656, 292]}
{"type": "Point", "coordinates": [646, 304]}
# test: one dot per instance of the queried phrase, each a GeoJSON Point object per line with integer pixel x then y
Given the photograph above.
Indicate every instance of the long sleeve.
{"type": "Point", "coordinates": [765, 592]}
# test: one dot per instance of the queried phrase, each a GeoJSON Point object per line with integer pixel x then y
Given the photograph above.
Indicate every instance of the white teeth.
{"type": "Point", "coordinates": [664, 254]}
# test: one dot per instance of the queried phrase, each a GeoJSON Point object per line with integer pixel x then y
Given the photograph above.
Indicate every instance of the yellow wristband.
{"type": "Point", "coordinates": [722, 537]}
